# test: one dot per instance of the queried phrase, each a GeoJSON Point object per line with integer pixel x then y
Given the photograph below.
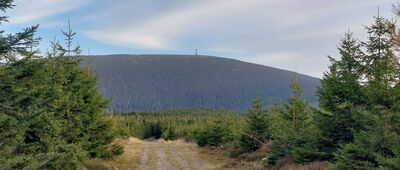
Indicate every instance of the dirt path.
{"type": "Point", "coordinates": [163, 155]}
{"type": "Point", "coordinates": [145, 159]}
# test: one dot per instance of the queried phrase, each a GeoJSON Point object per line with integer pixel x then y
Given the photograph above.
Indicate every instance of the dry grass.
{"type": "Point", "coordinates": [173, 160]}
{"type": "Point", "coordinates": [248, 160]}
{"type": "Point", "coordinates": [96, 164]}
{"type": "Point", "coordinates": [130, 159]}
{"type": "Point", "coordinates": [152, 162]}
{"type": "Point", "coordinates": [309, 166]}
{"type": "Point", "coordinates": [195, 157]}
{"type": "Point", "coordinates": [253, 161]}
{"type": "Point", "coordinates": [288, 164]}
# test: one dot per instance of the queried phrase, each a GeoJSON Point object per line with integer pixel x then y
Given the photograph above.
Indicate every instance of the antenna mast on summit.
{"type": "Point", "coordinates": [378, 12]}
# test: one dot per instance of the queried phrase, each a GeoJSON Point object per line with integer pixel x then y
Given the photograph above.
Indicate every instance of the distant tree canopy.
{"type": "Point", "coordinates": [137, 83]}
{"type": "Point", "coordinates": [51, 112]}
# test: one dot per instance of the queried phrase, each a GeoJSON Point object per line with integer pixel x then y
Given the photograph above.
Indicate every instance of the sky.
{"type": "Point", "coordinates": [295, 35]}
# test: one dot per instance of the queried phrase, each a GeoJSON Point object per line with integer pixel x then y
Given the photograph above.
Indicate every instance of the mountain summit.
{"type": "Point", "coordinates": [157, 82]}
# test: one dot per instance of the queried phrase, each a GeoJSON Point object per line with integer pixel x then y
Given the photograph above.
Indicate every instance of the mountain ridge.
{"type": "Point", "coordinates": [165, 81]}
{"type": "Point", "coordinates": [191, 55]}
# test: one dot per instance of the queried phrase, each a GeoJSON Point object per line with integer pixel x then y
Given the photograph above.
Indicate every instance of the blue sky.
{"type": "Point", "coordinates": [292, 35]}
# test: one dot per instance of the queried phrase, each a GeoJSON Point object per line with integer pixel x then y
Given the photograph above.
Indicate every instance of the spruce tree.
{"type": "Point", "coordinates": [69, 50]}
{"type": "Point", "coordinates": [341, 96]}
{"type": "Point", "coordinates": [299, 139]}
{"type": "Point", "coordinates": [256, 128]}
{"type": "Point", "coordinates": [377, 145]}
{"type": "Point", "coordinates": [296, 108]}
{"type": "Point", "coordinates": [381, 67]}
{"type": "Point", "coordinates": [18, 45]}
{"type": "Point", "coordinates": [218, 133]}
{"type": "Point", "coordinates": [51, 112]}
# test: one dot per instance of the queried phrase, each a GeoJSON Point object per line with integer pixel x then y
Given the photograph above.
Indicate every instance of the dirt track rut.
{"type": "Point", "coordinates": [172, 155]}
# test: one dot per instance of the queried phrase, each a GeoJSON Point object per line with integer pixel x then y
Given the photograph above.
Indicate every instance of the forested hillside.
{"type": "Point", "coordinates": [157, 82]}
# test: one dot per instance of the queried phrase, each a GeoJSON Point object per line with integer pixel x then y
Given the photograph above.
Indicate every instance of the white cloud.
{"type": "Point", "coordinates": [28, 11]}
{"type": "Point", "coordinates": [246, 21]}
{"type": "Point", "coordinates": [128, 39]}
{"type": "Point", "coordinates": [164, 30]}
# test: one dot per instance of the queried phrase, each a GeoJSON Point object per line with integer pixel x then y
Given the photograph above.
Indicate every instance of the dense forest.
{"type": "Point", "coordinates": [174, 124]}
{"type": "Point", "coordinates": [159, 82]}
{"type": "Point", "coordinates": [53, 115]}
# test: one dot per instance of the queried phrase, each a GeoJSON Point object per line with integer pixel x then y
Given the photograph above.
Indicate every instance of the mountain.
{"type": "Point", "coordinates": [158, 82]}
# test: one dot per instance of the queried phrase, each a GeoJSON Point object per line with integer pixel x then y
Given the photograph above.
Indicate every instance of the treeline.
{"type": "Point", "coordinates": [51, 112]}
{"type": "Point", "coordinates": [173, 124]}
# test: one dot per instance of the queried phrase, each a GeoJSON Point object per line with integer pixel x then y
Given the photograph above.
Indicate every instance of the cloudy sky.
{"type": "Point", "coordinates": [295, 35]}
